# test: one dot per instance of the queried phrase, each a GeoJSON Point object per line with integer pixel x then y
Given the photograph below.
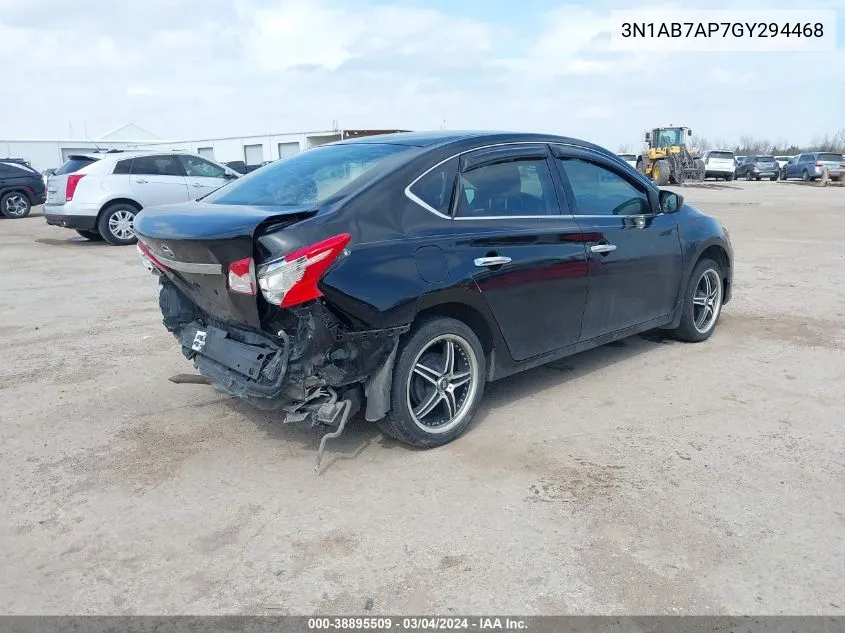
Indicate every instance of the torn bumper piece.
{"type": "Point", "coordinates": [254, 368]}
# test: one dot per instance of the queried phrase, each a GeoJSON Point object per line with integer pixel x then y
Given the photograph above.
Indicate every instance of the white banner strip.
{"type": "Point", "coordinates": [720, 31]}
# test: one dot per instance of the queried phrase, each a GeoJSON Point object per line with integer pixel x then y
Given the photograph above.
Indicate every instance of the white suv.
{"type": "Point", "coordinates": [99, 194]}
{"type": "Point", "coordinates": [719, 163]}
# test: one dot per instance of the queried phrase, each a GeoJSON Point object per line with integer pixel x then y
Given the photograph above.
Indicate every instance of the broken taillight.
{"type": "Point", "coordinates": [241, 276]}
{"type": "Point", "coordinates": [148, 259]}
{"type": "Point", "coordinates": [293, 279]}
{"type": "Point", "coordinates": [72, 183]}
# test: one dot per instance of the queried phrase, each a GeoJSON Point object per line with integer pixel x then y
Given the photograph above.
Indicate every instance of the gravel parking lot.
{"type": "Point", "coordinates": [645, 477]}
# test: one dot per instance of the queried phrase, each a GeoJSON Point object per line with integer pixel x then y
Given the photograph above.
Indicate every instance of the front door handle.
{"type": "Point", "coordinates": [196, 184]}
{"type": "Point", "coordinates": [141, 181]}
{"type": "Point", "coordinates": [498, 260]}
{"type": "Point", "coordinates": [603, 248]}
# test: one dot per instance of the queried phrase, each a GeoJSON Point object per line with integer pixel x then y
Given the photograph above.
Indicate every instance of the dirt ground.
{"type": "Point", "coordinates": [647, 477]}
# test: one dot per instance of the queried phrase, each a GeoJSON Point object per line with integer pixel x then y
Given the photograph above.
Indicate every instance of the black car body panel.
{"type": "Point", "coordinates": [558, 293]}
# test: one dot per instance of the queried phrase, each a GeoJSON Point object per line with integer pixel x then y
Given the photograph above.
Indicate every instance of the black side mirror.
{"type": "Point", "coordinates": [670, 202]}
{"type": "Point", "coordinates": [689, 132]}
{"type": "Point", "coordinates": [647, 137]}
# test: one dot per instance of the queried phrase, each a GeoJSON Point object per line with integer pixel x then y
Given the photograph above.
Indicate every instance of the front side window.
{"type": "Point", "coordinates": [435, 188]}
{"type": "Point", "coordinates": [155, 166]}
{"type": "Point", "coordinates": [600, 191]}
{"type": "Point", "coordinates": [200, 168]}
{"type": "Point", "coordinates": [508, 189]}
{"type": "Point", "coordinates": [307, 178]}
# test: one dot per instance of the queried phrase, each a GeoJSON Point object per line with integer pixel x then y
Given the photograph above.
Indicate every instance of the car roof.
{"type": "Point", "coordinates": [445, 137]}
{"type": "Point", "coordinates": [120, 154]}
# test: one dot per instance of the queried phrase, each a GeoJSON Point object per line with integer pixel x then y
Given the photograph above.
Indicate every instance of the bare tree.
{"type": "Point", "coordinates": [625, 148]}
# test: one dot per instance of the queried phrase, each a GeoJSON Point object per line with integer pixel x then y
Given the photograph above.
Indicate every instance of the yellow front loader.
{"type": "Point", "coordinates": [667, 158]}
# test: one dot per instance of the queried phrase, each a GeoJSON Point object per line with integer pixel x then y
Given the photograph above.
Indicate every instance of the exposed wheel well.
{"type": "Point", "coordinates": [467, 314]}
{"type": "Point", "coordinates": [720, 256]}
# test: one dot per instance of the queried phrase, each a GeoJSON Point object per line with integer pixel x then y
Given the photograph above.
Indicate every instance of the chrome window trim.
{"type": "Point", "coordinates": [416, 199]}
{"type": "Point", "coordinates": [413, 198]}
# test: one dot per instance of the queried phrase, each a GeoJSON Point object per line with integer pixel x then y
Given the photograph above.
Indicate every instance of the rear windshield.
{"type": "Point", "coordinates": [73, 164]}
{"type": "Point", "coordinates": [310, 177]}
{"type": "Point", "coordinates": [727, 155]}
{"type": "Point", "coordinates": [766, 159]}
{"type": "Point", "coordinates": [830, 158]}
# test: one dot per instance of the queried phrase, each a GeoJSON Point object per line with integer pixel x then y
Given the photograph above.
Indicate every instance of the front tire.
{"type": "Point", "coordinates": [15, 205]}
{"type": "Point", "coordinates": [115, 224]}
{"type": "Point", "coordinates": [702, 303]}
{"type": "Point", "coordinates": [729, 177]}
{"type": "Point", "coordinates": [438, 382]}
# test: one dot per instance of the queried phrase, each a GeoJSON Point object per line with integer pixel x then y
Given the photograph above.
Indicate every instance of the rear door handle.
{"type": "Point", "coordinates": [141, 181]}
{"type": "Point", "coordinates": [603, 248]}
{"type": "Point", "coordinates": [498, 260]}
{"type": "Point", "coordinates": [196, 184]}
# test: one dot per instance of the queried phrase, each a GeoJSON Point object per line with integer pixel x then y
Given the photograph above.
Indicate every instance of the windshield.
{"type": "Point", "coordinates": [727, 155]}
{"type": "Point", "coordinates": [309, 177]}
{"type": "Point", "coordinates": [670, 136]}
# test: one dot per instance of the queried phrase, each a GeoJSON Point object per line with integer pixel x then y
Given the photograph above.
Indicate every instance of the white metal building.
{"type": "Point", "coordinates": [252, 150]}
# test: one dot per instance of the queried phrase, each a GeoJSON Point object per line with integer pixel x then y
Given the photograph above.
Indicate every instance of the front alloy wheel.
{"type": "Point", "coordinates": [707, 301]}
{"type": "Point", "coordinates": [438, 381]}
{"type": "Point", "coordinates": [15, 205]}
{"type": "Point", "coordinates": [702, 303]}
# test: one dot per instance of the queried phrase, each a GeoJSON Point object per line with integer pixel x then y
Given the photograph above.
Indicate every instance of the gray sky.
{"type": "Point", "coordinates": [198, 68]}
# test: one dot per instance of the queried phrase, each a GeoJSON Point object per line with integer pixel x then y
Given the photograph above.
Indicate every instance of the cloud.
{"type": "Point", "coordinates": [261, 66]}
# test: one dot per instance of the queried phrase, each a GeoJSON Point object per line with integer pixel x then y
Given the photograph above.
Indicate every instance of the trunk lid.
{"type": "Point", "coordinates": [57, 181]}
{"type": "Point", "coordinates": [198, 241]}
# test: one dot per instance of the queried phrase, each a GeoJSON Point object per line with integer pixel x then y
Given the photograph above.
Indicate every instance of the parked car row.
{"type": "Point", "coordinates": [808, 166]}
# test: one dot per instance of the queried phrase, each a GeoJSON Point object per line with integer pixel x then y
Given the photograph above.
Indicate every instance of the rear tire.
{"type": "Point", "coordinates": [702, 303]}
{"type": "Point", "coordinates": [435, 392]}
{"type": "Point", "coordinates": [805, 176]}
{"type": "Point", "coordinates": [729, 177]}
{"type": "Point", "coordinates": [748, 176]}
{"type": "Point", "coordinates": [15, 205]}
{"type": "Point", "coordinates": [115, 224]}
{"type": "Point", "coordinates": [93, 236]}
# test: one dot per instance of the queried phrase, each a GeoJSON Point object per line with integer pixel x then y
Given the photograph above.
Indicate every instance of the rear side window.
{"type": "Point", "coordinates": [307, 178]}
{"type": "Point", "coordinates": [123, 167]}
{"type": "Point", "coordinates": [508, 189]}
{"type": "Point", "coordinates": [600, 191]}
{"type": "Point", "coordinates": [155, 166]}
{"type": "Point", "coordinates": [830, 158]}
{"type": "Point", "coordinates": [435, 188]}
{"type": "Point", "coordinates": [73, 165]}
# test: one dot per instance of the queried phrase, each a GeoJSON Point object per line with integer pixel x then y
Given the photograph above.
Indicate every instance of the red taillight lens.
{"type": "Point", "coordinates": [241, 276]}
{"type": "Point", "coordinates": [819, 164]}
{"type": "Point", "coordinates": [293, 280]}
{"type": "Point", "coordinates": [841, 165]}
{"type": "Point", "coordinates": [148, 259]}
{"type": "Point", "coordinates": [72, 183]}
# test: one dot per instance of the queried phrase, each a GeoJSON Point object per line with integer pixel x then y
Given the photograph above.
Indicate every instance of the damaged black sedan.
{"type": "Point", "coordinates": [399, 274]}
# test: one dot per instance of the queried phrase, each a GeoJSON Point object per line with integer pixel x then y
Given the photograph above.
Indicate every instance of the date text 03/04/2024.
{"type": "Point", "coordinates": [417, 624]}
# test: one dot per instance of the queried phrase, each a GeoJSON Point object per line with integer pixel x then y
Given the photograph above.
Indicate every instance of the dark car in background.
{"type": "Point", "coordinates": [402, 274]}
{"type": "Point", "coordinates": [21, 188]}
{"type": "Point", "coordinates": [757, 167]}
{"type": "Point", "coordinates": [811, 165]}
